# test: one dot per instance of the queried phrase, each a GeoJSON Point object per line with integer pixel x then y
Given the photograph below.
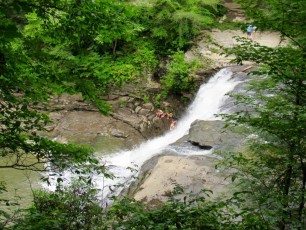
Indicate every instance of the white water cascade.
{"type": "Point", "coordinates": [209, 99]}
{"type": "Point", "coordinates": [205, 106]}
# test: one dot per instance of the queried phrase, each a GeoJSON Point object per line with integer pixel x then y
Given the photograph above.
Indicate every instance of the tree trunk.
{"type": "Point", "coordinates": [302, 199]}
{"type": "Point", "coordinates": [114, 47]}
{"type": "Point", "coordinates": [286, 191]}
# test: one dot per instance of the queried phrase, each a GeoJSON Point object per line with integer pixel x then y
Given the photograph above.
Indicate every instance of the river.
{"type": "Point", "coordinates": [207, 103]}
{"type": "Point", "coordinates": [210, 97]}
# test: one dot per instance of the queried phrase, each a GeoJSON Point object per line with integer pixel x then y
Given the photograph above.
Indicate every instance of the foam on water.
{"type": "Point", "coordinates": [205, 106]}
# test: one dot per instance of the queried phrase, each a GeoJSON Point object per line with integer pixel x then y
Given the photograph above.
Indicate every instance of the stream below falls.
{"type": "Point", "coordinates": [209, 99]}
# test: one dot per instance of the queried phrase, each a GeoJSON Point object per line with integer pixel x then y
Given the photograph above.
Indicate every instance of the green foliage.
{"type": "Point", "coordinates": [144, 58]}
{"type": "Point", "coordinates": [146, 99]}
{"type": "Point", "coordinates": [177, 22]}
{"type": "Point", "coordinates": [49, 47]}
{"type": "Point", "coordinates": [273, 175]}
{"type": "Point", "coordinates": [75, 208]}
{"type": "Point", "coordinates": [78, 208]}
{"type": "Point", "coordinates": [179, 77]}
{"type": "Point", "coordinates": [157, 100]}
{"type": "Point", "coordinates": [175, 214]}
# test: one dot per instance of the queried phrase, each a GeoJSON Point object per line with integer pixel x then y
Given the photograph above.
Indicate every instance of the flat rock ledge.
{"type": "Point", "coordinates": [212, 134]}
{"type": "Point", "coordinates": [160, 175]}
{"type": "Point", "coordinates": [131, 122]}
{"type": "Point", "coordinates": [192, 174]}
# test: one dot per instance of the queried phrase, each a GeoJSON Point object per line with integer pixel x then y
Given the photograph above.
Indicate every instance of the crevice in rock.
{"type": "Point", "coordinates": [114, 116]}
{"type": "Point", "coordinates": [204, 147]}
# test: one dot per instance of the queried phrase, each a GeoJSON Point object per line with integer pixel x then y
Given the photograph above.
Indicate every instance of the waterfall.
{"type": "Point", "coordinates": [205, 106]}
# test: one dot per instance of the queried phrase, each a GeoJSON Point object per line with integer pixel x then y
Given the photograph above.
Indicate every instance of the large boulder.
{"type": "Point", "coordinates": [192, 174]}
{"type": "Point", "coordinates": [161, 174]}
{"type": "Point", "coordinates": [132, 121]}
{"type": "Point", "coordinates": [90, 127]}
{"type": "Point", "coordinates": [211, 134]}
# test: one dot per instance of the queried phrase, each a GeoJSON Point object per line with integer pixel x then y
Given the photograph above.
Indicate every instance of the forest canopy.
{"type": "Point", "coordinates": [55, 46]}
{"type": "Point", "coordinates": [48, 47]}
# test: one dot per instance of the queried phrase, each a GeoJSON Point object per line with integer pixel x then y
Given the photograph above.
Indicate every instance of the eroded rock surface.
{"type": "Point", "coordinates": [131, 121]}
{"type": "Point", "coordinates": [191, 173]}
{"type": "Point", "coordinates": [211, 134]}
{"type": "Point", "coordinates": [160, 174]}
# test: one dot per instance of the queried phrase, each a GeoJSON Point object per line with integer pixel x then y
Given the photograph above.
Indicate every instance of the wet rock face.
{"type": "Point", "coordinates": [191, 173]}
{"type": "Point", "coordinates": [161, 174]}
{"type": "Point", "coordinates": [211, 134]}
{"type": "Point", "coordinates": [87, 127]}
{"type": "Point", "coordinates": [131, 121]}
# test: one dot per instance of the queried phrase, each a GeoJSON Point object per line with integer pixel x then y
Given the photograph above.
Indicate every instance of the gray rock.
{"type": "Point", "coordinates": [148, 106]}
{"type": "Point", "coordinates": [211, 134]}
{"type": "Point", "coordinates": [113, 97]}
{"type": "Point", "coordinates": [143, 112]}
{"type": "Point", "coordinates": [131, 99]}
{"type": "Point", "coordinates": [85, 127]}
{"type": "Point", "coordinates": [118, 133]}
{"type": "Point", "coordinates": [130, 105]}
{"type": "Point", "coordinates": [138, 108]}
{"type": "Point", "coordinates": [166, 104]}
{"type": "Point", "coordinates": [124, 98]}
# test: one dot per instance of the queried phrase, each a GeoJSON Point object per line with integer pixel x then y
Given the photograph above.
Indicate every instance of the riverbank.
{"type": "Point", "coordinates": [192, 165]}
{"type": "Point", "coordinates": [161, 174]}
{"type": "Point", "coordinates": [133, 119]}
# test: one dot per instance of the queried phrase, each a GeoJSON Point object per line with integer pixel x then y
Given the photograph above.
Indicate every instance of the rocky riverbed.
{"type": "Point", "coordinates": [160, 175]}
{"type": "Point", "coordinates": [133, 121]}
